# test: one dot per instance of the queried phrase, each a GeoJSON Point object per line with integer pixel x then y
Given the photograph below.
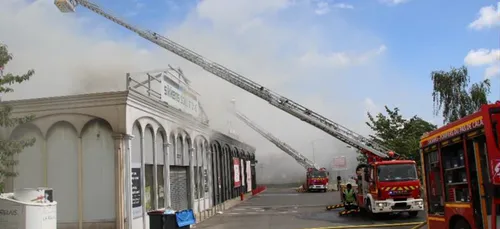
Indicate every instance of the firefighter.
{"type": "Point", "coordinates": [339, 181]}
{"type": "Point", "coordinates": [349, 197]}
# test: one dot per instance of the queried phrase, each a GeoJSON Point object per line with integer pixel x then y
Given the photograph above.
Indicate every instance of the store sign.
{"type": "Point", "coordinates": [136, 191]}
{"type": "Point", "coordinates": [236, 168]}
{"type": "Point", "coordinates": [339, 163]}
{"type": "Point", "coordinates": [179, 96]}
{"type": "Point", "coordinates": [249, 176]}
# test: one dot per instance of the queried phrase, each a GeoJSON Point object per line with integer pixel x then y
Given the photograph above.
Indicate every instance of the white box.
{"type": "Point", "coordinates": [16, 214]}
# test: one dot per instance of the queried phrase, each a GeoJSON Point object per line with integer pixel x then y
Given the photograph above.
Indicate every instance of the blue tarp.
{"type": "Point", "coordinates": [185, 218]}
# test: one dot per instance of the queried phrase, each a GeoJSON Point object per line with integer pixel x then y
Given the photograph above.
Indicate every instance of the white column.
{"type": "Point", "coordinates": [191, 177]}
{"type": "Point", "coordinates": [210, 178]}
{"type": "Point", "coordinates": [143, 181]}
{"type": "Point", "coordinates": [155, 174]}
{"type": "Point", "coordinates": [128, 180]}
{"type": "Point", "coordinates": [166, 177]}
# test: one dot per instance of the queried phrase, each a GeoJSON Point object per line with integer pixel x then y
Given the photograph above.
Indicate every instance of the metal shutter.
{"type": "Point", "coordinates": [179, 193]}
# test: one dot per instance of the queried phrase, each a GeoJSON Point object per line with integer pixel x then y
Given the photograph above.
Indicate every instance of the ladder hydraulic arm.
{"type": "Point", "coordinates": [336, 130]}
{"type": "Point", "coordinates": [303, 161]}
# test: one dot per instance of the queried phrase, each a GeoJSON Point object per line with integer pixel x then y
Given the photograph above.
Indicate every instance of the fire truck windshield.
{"type": "Point", "coordinates": [397, 172]}
{"type": "Point", "coordinates": [317, 174]}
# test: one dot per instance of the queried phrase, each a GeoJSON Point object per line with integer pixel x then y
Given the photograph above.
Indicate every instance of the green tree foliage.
{"type": "Point", "coordinates": [453, 96]}
{"type": "Point", "coordinates": [9, 148]}
{"type": "Point", "coordinates": [397, 133]}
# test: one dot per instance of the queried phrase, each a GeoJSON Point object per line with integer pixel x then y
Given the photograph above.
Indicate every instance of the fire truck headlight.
{"type": "Point", "coordinates": [419, 203]}
{"type": "Point", "coordinates": [380, 205]}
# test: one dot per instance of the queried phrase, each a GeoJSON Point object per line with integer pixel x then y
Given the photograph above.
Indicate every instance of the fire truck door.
{"type": "Point", "coordinates": [478, 168]}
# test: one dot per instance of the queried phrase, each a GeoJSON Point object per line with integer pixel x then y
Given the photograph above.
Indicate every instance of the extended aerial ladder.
{"type": "Point", "coordinates": [338, 131]}
{"type": "Point", "coordinates": [303, 161]}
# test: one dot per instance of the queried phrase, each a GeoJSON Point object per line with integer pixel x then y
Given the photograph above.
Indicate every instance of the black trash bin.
{"type": "Point", "coordinates": [158, 220]}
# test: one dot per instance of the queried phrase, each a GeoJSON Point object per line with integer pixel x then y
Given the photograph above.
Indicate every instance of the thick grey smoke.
{"type": "Point", "coordinates": [81, 53]}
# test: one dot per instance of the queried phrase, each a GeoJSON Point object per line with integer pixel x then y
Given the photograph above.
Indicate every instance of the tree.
{"type": "Point", "coordinates": [453, 96]}
{"type": "Point", "coordinates": [9, 148]}
{"type": "Point", "coordinates": [397, 133]}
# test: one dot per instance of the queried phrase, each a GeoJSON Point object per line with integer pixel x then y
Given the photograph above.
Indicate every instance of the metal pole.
{"type": "Point", "coordinates": [314, 158]}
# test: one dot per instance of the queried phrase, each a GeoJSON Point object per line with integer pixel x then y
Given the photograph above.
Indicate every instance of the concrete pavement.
{"type": "Point", "coordinates": [284, 208]}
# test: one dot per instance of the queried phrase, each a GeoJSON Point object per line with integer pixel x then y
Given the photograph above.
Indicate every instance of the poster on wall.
{"type": "Point", "coordinates": [249, 177]}
{"type": "Point", "coordinates": [136, 191]}
{"type": "Point", "coordinates": [242, 169]}
{"type": "Point", "coordinates": [236, 168]}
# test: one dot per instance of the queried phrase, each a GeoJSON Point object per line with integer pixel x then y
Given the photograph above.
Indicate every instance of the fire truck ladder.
{"type": "Point", "coordinates": [303, 161]}
{"type": "Point", "coordinates": [338, 131]}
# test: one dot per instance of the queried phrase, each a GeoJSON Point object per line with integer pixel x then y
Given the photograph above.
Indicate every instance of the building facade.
{"type": "Point", "coordinates": [114, 156]}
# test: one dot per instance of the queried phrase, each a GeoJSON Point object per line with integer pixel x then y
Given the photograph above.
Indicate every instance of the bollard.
{"type": "Point", "coordinates": [242, 197]}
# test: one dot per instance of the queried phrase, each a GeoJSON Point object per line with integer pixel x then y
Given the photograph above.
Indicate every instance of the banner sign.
{"type": "Point", "coordinates": [339, 163]}
{"type": "Point", "coordinates": [236, 168]}
{"type": "Point", "coordinates": [178, 95]}
{"type": "Point", "coordinates": [249, 176]}
{"type": "Point", "coordinates": [242, 169]}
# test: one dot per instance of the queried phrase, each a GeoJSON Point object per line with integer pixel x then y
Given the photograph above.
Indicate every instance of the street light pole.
{"type": "Point", "coordinates": [314, 160]}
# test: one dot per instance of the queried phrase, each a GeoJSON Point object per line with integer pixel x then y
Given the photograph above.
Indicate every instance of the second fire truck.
{"type": "Point", "coordinates": [316, 178]}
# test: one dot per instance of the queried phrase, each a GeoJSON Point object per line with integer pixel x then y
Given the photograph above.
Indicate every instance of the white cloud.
{"type": "Point", "coordinates": [480, 57]}
{"type": "Point", "coordinates": [340, 59]}
{"type": "Point", "coordinates": [393, 2]}
{"type": "Point", "coordinates": [71, 55]}
{"type": "Point", "coordinates": [343, 6]}
{"type": "Point", "coordinates": [488, 17]}
{"type": "Point", "coordinates": [324, 7]}
{"type": "Point", "coordinates": [485, 57]}
{"type": "Point", "coordinates": [492, 71]}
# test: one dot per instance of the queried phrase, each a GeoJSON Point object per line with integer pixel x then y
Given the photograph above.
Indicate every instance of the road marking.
{"type": "Point", "coordinates": [283, 194]}
{"type": "Point", "coordinates": [282, 206]}
{"type": "Point", "coordinates": [417, 224]}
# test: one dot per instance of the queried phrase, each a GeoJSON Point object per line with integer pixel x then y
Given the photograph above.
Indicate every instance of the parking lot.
{"type": "Point", "coordinates": [284, 208]}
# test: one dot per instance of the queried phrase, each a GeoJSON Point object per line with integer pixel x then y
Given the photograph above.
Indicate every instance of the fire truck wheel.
{"type": "Point", "coordinates": [413, 213]}
{"type": "Point", "coordinates": [461, 224]}
{"type": "Point", "coordinates": [368, 208]}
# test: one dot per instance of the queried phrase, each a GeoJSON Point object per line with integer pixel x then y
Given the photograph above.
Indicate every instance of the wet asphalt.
{"type": "Point", "coordinates": [284, 208]}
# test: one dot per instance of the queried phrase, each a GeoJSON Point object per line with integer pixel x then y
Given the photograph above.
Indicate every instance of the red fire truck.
{"type": "Point", "coordinates": [388, 185]}
{"type": "Point", "coordinates": [461, 165]}
{"type": "Point", "coordinates": [316, 179]}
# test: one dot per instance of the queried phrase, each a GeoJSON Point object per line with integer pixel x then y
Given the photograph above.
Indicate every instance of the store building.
{"type": "Point", "coordinates": [115, 155]}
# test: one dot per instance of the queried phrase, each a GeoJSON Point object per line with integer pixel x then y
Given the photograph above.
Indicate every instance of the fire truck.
{"type": "Point", "coordinates": [461, 170]}
{"type": "Point", "coordinates": [372, 197]}
{"type": "Point", "coordinates": [316, 178]}
{"type": "Point", "coordinates": [388, 185]}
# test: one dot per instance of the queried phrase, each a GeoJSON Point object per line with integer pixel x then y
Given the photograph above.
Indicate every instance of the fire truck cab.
{"type": "Point", "coordinates": [461, 167]}
{"type": "Point", "coordinates": [389, 186]}
{"type": "Point", "coordinates": [316, 179]}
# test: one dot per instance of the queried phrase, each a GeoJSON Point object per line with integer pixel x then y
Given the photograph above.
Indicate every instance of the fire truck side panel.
{"type": "Point", "coordinates": [454, 212]}
{"type": "Point", "coordinates": [437, 222]}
